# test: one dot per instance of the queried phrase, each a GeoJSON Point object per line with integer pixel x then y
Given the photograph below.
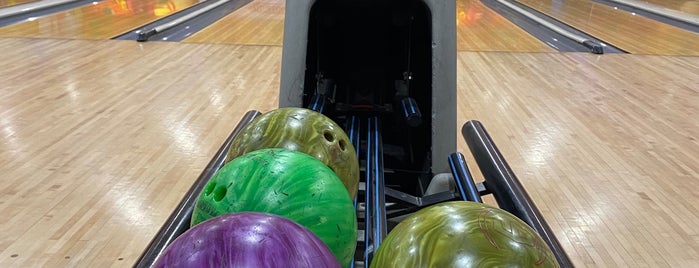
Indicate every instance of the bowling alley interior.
{"type": "Point", "coordinates": [574, 122]}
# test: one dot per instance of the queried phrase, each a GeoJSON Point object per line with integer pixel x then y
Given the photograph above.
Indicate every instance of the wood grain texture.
{"type": "Point", "coordinates": [261, 22]}
{"type": "Point", "coordinates": [97, 150]}
{"type": "Point", "coordinates": [634, 34]}
{"type": "Point", "coordinates": [686, 6]}
{"type": "Point", "coordinates": [99, 140]}
{"type": "Point", "coordinates": [478, 28]}
{"type": "Point", "coordinates": [609, 153]}
{"type": "Point", "coordinates": [101, 20]}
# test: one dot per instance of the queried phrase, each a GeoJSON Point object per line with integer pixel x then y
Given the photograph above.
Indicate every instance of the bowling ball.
{"type": "Point", "coordinates": [286, 183]}
{"type": "Point", "coordinates": [247, 239]}
{"type": "Point", "coordinates": [463, 234]}
{"type": "Point", "coordinates": [305, 131]}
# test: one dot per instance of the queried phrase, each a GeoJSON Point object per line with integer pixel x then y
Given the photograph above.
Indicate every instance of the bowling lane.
{"type": "Point", "coordinates": [96, 150]}
{"type": "Point", "coordinates": [479, 28]}
{"type": "Point", "coordinates": [634, 34]}
{"type": "Point", "coordinates": [101, 20]}
{"type": "Point", "coordinates": [261, 22]}
{"type": "Point", "coordinates": [9, 3]}
{"type": "Point", "coordinates": [605, 145]}
{"type": "Point", "coordinates": [686, 6]}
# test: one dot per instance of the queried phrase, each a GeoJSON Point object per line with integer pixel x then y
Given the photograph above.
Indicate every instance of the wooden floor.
{"type": "Point", "coordinates": [686, 6]}
{"type": "Point", "coordinates": [634, 34]}
{"type": "Point", "coordinates": [610, 153]}
{"type": "Point", "coordinates": [100, 139]}
{"type": "Point", "coordinates": [96, 152]}
{"type": "Point", "coordinates": [481, 29]}
{"type": "Point", "coordinates": [260, 22]}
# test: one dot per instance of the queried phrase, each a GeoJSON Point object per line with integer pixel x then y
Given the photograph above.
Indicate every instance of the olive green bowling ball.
{"type": "Point", "coordinates": [463, 234]}
{"type": "Point", "coordinates": [287, 183]}
{"type": "Point", "coordinates": [305, 131]}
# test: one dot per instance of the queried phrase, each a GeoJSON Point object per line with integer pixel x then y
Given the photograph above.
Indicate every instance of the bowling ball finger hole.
{"type": "Point", "coordinates": [209, 188]}
{"type": "Point", "coordinates": [328, 136]}
{"type": "Point", "coordinates": [219, 193]}
{"type": "Point", "coordinates": [343, 145]}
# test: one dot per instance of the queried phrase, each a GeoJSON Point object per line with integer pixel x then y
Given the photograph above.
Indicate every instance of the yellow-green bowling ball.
{"type": "Point", "coordinates": [306, 131]}
{"type": "Point", "coordinates": [463, 234]}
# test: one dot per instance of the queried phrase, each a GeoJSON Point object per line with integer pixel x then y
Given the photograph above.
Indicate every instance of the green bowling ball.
{"type": "Point", "coordinates": [463, 234]}
{"type": "Point", "coordinates": [287, 183]}
{"type": "Point", "coordinates": [305, 131]}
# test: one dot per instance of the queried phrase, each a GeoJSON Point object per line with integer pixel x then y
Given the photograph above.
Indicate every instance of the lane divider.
{"type": "Point", "coordinates": [594, 46]}
{"type": "Point", "coordinates": [143, 36]}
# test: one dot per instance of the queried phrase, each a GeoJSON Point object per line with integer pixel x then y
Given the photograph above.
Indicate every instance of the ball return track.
{"type": "Point", "coordinates": [373, 218]}
{"type": "Point", "coordinates": [385, 70]}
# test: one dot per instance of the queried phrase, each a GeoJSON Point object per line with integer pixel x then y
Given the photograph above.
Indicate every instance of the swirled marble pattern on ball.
{"type": "Point", "coordinates": [247, 239]}
{"type": "Point", "coordinates": [305, 131]}
{"type": "Point", "coordinates": [286, 183]}
{"type": "Point", "coordinates": [463, 234]}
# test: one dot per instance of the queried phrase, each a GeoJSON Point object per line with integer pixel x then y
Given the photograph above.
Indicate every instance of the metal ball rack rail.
{"type": "Point", "coordinates": [375, 67]}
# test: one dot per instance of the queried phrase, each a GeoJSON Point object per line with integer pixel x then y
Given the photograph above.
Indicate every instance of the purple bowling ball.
{"type": "Point", "coordinates": [247, 239]}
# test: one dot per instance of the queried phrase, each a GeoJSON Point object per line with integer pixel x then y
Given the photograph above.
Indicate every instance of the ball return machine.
{"type": "Point", "coordinates": [386, 71]}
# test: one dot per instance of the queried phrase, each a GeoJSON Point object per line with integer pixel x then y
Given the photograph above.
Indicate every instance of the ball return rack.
{"type": "Point", "coordinates": [376, 67]}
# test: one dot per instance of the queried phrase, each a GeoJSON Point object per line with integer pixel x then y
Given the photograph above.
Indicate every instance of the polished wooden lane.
{"type": "Point", "coordinates": [686, 6]}
{"type": "Point", "coordinates": [607, 146]}
{"type": "Point", "coordinates": [101, 20]}
{"type": "Point", "coordinates": [9, 3]}
{"type": "Point", "coordinates": [478, 28]}
{"type": "Point", "coordinates": [97, 150]}
{"type": "Point", "coordinates": [261, 22]}
{"type": "Point", "coordinates": [634, 34]}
